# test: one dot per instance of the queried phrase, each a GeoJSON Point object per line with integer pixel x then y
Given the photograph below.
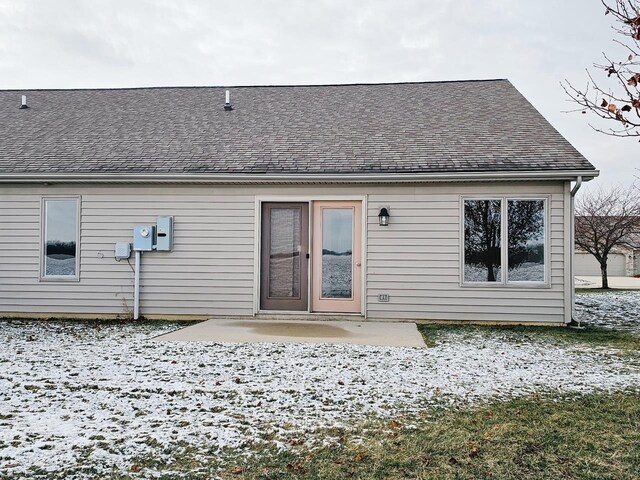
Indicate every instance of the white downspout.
{"type": "Point", "coordinates": [136, 288]}
{"type": "Point", "coordinates": [572, 234]}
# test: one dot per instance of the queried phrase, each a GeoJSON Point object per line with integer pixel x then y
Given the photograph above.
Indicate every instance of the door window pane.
{"type": "Point", "coordinates": [60, 238]}
{"type": "Point", "coordinates": [482, 247]}
{"type": "Point", "coordinates": [337, 252]}
{"type": "Point", "coordinates": [525, 224]}
{"type": "Point", "coordinates": [284, 260]}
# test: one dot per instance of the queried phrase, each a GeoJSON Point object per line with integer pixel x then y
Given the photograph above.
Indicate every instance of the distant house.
{"type": "Point", "coordinates": [417, 201]}
{"type": "Point", "coordinates": [623, 260]}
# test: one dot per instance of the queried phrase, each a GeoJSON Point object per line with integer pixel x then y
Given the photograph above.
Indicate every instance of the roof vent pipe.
{"type": "Point", "coordinates": [24, 102]}
{"type": "Point", "coordinates": [227, 103]}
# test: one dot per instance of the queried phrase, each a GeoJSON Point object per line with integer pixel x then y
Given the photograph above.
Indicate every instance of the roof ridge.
{"type": "Point", "coordinates": [176, 87]}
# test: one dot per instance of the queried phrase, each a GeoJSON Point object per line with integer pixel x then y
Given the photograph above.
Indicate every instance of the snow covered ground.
{"type": "Point", "coordinates": [101, 394]}
{"type": "Point", "coordinates": [613, 309]}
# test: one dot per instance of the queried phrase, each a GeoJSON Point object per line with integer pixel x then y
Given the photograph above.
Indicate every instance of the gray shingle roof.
{"type": "Point", "coordinates": [435, 127]}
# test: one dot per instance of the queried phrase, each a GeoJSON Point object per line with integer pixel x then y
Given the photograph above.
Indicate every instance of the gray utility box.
{"type": "Point", "coordinates": [122, 250]}
{"type": "Point", "coordinates": [164, 234]}
{"type": "Point", "coordinates": [143, 237]}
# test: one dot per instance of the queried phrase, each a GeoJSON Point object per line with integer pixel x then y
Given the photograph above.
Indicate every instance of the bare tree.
{"type": "Point", "coordinates": [619, 102]}
{"type": "Point", "coordinates": [606, 219]}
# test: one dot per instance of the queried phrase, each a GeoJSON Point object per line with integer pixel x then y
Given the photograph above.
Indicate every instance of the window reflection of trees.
{"type": "Point", "coordinates": [526, 240]}
{"type": "Point", "coordinates": [483, 240]}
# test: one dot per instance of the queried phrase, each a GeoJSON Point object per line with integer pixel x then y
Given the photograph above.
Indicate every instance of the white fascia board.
{"type": "Point", "coordinates": [298, 178]}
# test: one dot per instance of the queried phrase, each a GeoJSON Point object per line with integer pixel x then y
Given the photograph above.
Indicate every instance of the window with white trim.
{"type": "Point", "coordinates": [505, 241]}
{"type": "Point", "coordinates": [60, 249]}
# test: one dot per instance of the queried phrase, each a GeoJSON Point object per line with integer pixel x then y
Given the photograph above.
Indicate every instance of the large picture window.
{"type": "Point", "coordinates": [516, 224]}
{"type": "Point", "coordinates": [60, 238]}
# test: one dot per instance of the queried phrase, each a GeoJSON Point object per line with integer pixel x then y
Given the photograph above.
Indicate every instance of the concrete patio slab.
{"type": "Point", "coordinates": [614, 282]}
{"type": "Point", "coordinates": [391, 334]}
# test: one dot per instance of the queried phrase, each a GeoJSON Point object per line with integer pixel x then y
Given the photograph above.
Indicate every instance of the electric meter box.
{"type": "Point", "coordinates": [143, 237]}
{"type": "Point", "coordinates": [164, 234]}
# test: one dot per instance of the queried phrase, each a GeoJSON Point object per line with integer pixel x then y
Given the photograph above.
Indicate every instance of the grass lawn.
{"type": "Point", "coordinates": [100, 400]}
{"type": "Point", "coordinates": [610, 309]}
{"type": "Point", "coordinates": [587, 336]}
{"type": "Point", "coordinates": [592, 437]}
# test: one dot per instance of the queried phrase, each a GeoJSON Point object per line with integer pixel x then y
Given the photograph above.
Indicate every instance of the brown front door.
{"type": "Point", "coordinates": [284, 264]}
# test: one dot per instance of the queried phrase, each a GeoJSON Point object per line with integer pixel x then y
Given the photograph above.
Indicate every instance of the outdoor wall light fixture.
{"type": "Point", "coordinates": [383, 217]}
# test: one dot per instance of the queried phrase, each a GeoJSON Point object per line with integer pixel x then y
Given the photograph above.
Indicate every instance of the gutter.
{"type": "Point", "coordinates": [577, 186]}
{"type": "Point", "coordinates": [230, 178]}
{"type": "Point", "coordinates": [572, 235]}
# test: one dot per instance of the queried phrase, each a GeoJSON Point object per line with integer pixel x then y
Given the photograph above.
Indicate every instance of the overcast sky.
{"type": "Point", "coordinates": [130, 43]}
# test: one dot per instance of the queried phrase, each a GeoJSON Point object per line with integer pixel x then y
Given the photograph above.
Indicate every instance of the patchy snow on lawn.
{"type": "Point", "coordinates": [103, 394]}
{"type": "Point", "coordinates": [609, 309]}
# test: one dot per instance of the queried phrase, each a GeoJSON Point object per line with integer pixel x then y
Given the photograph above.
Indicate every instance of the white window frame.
{"type": "Point", "coordinates": [504, 243]}
{"type": "Point", "coordinates": [43, 238]}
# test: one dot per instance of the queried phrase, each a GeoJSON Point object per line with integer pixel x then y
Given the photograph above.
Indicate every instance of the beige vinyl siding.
{"type": "Point", "coordinates": [209, 271]}
{"type": "Point", "coordinates": [416, 259]}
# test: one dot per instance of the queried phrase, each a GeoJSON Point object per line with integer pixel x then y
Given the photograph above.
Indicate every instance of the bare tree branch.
{"type": "Point", "coordinates": [621, 102]}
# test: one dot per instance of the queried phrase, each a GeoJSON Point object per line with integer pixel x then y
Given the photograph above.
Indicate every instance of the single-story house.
{"type": "Point", "coordinates": [440, 201]}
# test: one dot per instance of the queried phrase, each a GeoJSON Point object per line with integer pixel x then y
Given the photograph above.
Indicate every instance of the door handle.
{"type": "Point", "coordinates": [358, 264]}
{"type": "Point", "coordinates": [307, 256]}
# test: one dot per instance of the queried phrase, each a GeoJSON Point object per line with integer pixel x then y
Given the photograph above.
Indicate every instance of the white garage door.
{"type": "Point", "coordinates": [587, 265]}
